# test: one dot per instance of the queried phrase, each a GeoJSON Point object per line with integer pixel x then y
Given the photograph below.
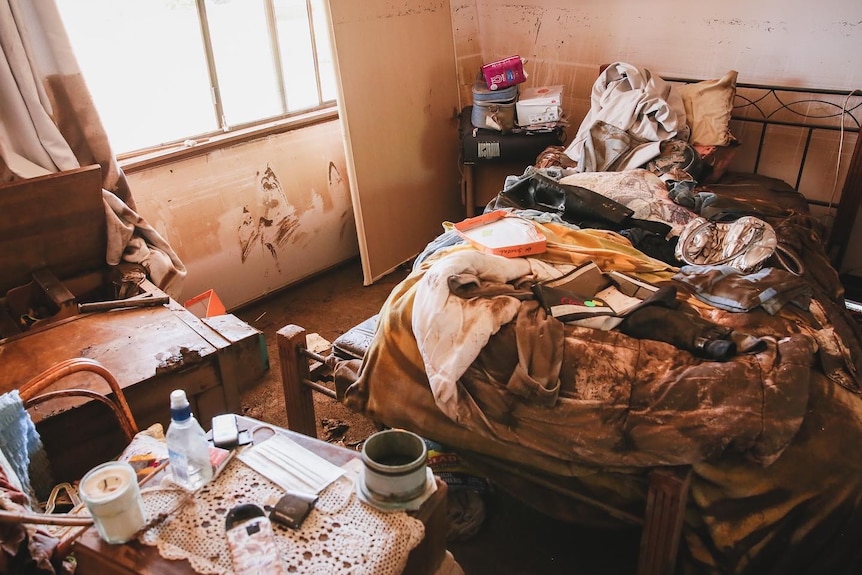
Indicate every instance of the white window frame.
{"type": "Point", "coordinates": [228, 135]}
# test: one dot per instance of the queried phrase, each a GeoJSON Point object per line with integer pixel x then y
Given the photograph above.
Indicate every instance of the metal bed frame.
{"type": "Point", "coordinates": [804, 112]}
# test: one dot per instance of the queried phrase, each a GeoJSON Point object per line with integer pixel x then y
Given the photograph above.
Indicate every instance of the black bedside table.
{"type": "Point", "coordinates": [487, 157]}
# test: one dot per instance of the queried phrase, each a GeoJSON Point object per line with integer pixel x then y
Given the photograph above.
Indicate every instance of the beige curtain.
{"type": "Point", "coordinates": [48, 123]}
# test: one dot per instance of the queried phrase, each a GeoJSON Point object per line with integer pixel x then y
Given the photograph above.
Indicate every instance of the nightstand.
{"type": "Point", "coordinates": [487, 157]}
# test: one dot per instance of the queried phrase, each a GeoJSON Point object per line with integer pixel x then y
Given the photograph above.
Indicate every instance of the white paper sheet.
{"type": "Point", "coordinates": [289, 465]}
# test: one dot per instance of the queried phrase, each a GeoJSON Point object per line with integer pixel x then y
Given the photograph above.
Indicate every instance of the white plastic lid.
{"type": "Point", "coordinates": [180, 408]}
{"type": "Point", "coordinates": [179, 399]}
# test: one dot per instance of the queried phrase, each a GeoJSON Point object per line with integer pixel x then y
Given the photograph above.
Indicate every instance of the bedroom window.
{"type": "Point", "coordinates": [165, 72]}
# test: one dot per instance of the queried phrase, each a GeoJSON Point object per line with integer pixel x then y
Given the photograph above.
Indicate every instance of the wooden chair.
{"type": "Point", "coordinates": [33, 393]}
{"type": "Point", "coordinates": [667, 492]}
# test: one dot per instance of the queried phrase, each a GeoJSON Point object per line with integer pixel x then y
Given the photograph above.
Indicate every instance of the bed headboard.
{"type": "Point", "coordinates": [808, 137]}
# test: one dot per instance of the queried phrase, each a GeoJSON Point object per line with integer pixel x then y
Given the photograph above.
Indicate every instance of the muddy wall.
{"type": "Point", "coordinates": [253, 218]}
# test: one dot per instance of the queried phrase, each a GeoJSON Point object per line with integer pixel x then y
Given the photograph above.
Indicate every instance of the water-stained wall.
{"type": "Point", "coordinates": [253, 218]}
{"type": "Point", "coordinates": [790, 42]}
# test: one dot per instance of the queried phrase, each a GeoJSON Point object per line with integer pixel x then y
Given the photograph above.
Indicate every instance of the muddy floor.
{"type": "Point", "coordinates": [327, 305]}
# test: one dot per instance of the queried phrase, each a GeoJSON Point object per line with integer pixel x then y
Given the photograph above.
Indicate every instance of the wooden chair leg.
{"type": "Point", "coordinates": [298, 398]}
{"type": "Point", "coordinates": [665, 512]}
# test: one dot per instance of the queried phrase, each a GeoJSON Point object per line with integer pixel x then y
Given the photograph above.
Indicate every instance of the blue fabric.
{"type": "Point", "coordinates": [446, 239]}
{"type": "Point", "coordinates": [22, 446]}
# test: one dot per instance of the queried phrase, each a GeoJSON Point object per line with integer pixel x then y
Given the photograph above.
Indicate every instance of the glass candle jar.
{"type": "Point", "coordinates": [110, 492]}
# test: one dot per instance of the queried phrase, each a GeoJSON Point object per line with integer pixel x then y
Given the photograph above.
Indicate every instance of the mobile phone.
{"type": "Point", "coordinates": [251, 541]}
{"type": "Point", "coordinates": [224, 430]}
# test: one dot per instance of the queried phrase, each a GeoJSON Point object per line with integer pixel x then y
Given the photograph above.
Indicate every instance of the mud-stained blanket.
{"type": "Point", "coordinates": [464, 356]}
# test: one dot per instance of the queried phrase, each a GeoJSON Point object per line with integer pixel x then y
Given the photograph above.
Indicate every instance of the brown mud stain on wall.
{"type": "Point", "coordinates": [335, 182]}
{"type": "Point", "coordinates": [338, 187]}
{"type": "Point", "coordinates": [400, 8]}
{"type": "Point", "coordinates": [271, 223]}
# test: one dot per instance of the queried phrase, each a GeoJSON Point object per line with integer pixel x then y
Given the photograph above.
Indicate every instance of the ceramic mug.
{"type": "Point", "coordinates": [394, 469]}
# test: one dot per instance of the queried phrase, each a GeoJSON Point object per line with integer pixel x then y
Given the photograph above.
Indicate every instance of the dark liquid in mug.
{"type": "Point", "coordinates": [395, 459]}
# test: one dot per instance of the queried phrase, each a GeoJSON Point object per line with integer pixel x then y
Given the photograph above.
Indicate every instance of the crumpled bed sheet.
{"type": "Point", "coordinates": [632, 110]}
{"type": "Point", "coordinates": [617, 400]}
{"type": "Point", "coordinates": [774, 443]}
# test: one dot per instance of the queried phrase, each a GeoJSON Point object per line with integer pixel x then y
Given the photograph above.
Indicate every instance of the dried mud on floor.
{"type": "Point", "coordinates": [328, 304]}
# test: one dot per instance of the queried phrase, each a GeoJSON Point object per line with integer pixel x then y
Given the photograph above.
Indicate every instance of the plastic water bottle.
{"type": "Point", "coordinates": [188, 448]}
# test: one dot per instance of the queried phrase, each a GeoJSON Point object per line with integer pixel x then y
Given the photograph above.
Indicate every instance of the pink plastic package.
{"type": "Point", "coordinates": [504, 73]}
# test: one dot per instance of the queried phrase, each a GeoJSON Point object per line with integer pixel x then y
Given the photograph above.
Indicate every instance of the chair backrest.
{"type": "Point", "coordinates": [78, 436]}
{"type": "Point", "coordinates": [32, 392]}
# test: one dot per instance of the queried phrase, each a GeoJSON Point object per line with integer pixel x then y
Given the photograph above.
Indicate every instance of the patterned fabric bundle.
{"type": "Point", "coordinates": [743, 244]}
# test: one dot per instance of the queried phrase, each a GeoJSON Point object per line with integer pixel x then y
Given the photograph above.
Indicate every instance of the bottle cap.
{"type": "Point", "coordinates": [180, 408]}
{"type": "Point", "coordinates": [178, 398]}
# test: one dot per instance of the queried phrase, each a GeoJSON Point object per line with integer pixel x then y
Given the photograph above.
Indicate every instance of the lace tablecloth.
{"type": "Point", "coordinates": [340, 535]}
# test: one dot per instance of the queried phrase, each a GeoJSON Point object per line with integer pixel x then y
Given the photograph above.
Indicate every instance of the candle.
{"type": "Point", "coordinates": [110, 492]}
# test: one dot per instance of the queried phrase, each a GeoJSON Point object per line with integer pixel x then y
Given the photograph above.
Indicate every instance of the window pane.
{"type": "Point", "coordinates": [144, 63]}
{"type": "Point", "coordinates": [244, 63]}
{"type": "Point", "coordinates": [324, 52]}
{"type": "Point", "coordinates": [297, 58]}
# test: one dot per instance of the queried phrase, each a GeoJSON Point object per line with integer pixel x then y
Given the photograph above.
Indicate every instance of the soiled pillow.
{"type": "Point", "coordinates": [717, 159]}
{"type": "Point", "coordinates": [708, 106]}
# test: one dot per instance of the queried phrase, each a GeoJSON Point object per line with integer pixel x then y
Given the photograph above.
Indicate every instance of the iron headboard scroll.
{"type": "Point", "coordinates": [810, 109]}
{"type": "Point", "coordinates": [819, 108]}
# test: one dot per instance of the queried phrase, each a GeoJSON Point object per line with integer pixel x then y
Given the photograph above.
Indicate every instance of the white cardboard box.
{"type": "Point", "coordinates": [539, 105]}
{"type": "Point", "coordinates": [502, 233]}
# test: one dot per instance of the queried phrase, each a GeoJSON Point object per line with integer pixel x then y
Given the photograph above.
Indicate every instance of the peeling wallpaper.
{"type": "Point", "coordinates": [271, 221]}
{"type": "Point", "coordinates": [254, 218]}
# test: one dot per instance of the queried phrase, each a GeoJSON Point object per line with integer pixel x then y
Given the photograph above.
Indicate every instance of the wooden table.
{"type": "Point", "coordinates": [53, 272]}
{"type": "Point", "coordinates": [151, 352]}
{"type": "Point", "coordinates": [142, 348]}
{"type": "Point", "coordinates": [95, 557]}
